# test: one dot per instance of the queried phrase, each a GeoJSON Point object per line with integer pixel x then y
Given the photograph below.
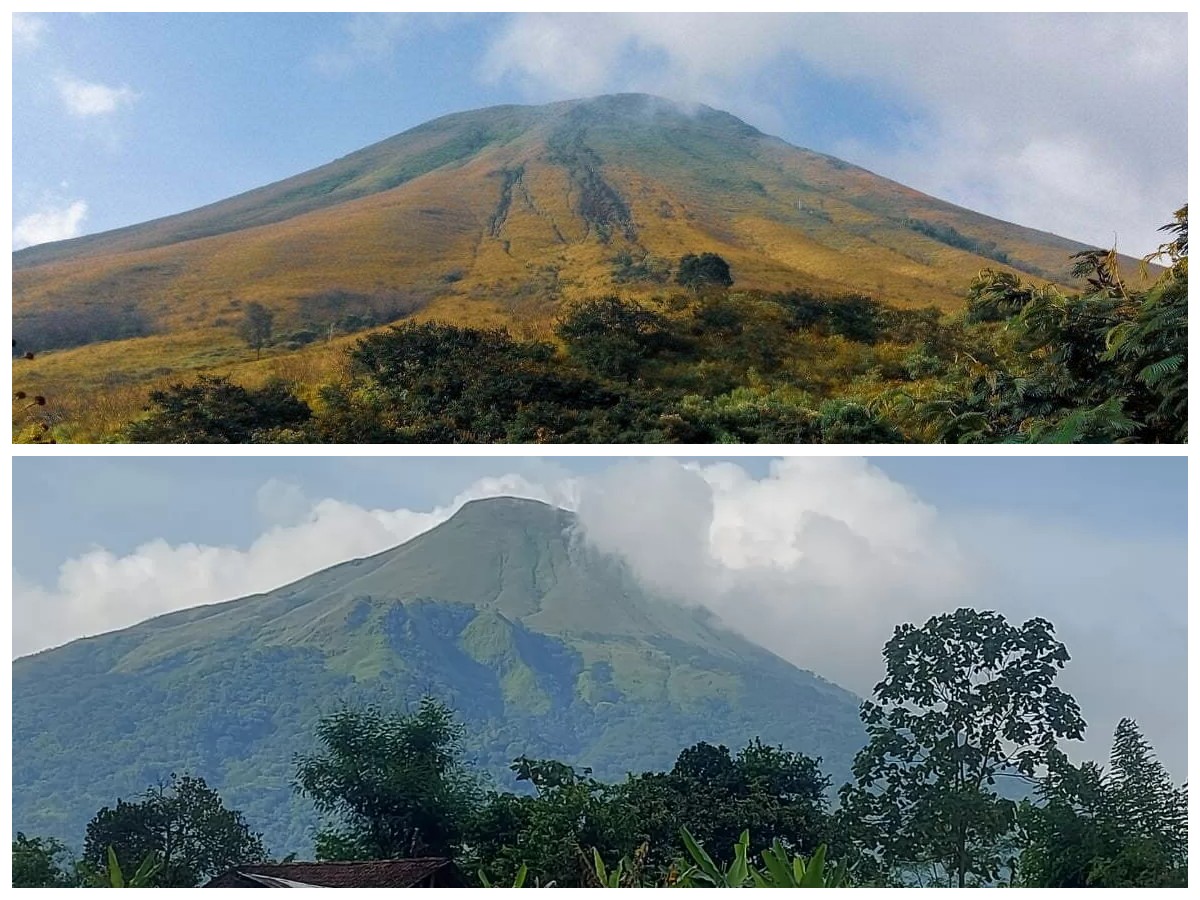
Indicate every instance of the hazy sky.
{"type": "Point", "coordinates": [816, 558]}
{"type": "Point", "coordinates": [1071, 123]}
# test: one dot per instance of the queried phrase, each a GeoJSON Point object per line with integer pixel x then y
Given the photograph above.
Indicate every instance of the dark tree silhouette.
{"type": "Point", "coordinates": [704, 270]}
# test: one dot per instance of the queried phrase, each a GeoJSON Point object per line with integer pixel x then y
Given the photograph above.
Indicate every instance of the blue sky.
{"type": "Point", "coordinates": [818, 557]}
{"type": "Point", "coordinates": [1074, 124]}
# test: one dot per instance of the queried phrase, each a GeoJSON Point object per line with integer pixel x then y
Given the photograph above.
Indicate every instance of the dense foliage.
{"type": "Point", "coordinates": [41, 862]}
{"type": "Point", "coordinates": [396, 784]}
{"type": "Point", "coordinates": [968, 698]}
{"type": "Point", "coordinates": [181, 824]}
{"type": "Point", "coordinates": [213, 410]}
{"type": "Point", "coordinates": [1022, 363]}
{"type": "Point", "coordinates": [1105, 365]}
{"type": "Point", "coordinates": [703, 270]}
{"type": "Point", "coordinates": [1125, 827]}
{"type": "Point", "coordinates": [716, 795]}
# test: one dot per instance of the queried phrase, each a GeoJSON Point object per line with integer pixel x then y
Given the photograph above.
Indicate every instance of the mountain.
{"type": "Point", "coordinates": [497, 215]}
{"type": "Point", "coordinates": [542, 645]}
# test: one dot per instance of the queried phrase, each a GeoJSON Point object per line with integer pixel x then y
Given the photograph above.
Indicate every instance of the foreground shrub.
{"type": "Point", "coordinates": [214, 410]}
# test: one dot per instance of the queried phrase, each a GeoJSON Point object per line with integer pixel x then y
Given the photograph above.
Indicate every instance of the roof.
{"type": "Point", "coordinates": [373, 873]}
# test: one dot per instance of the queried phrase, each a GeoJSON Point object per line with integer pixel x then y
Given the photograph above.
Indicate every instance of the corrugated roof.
{"type": "Point", "coordinates": [373, 873]}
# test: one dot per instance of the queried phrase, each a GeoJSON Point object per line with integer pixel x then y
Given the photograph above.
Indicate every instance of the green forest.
{"type": "Point", "coordinates": [962, 782]}
{"type": "Point", "coordinates": [708, 363]}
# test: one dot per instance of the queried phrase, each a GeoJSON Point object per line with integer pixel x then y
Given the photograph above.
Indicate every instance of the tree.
{"type": "Point", "coordinates": [614, 338]}
{"type": "Point", "coordinates": [214, 410]}
{"type": "Point", "coordinates": [1106, 364]}
{"type": "Point", "coordinates": [774, 793]}
{"type": "Point", "coordinates": [547, 833]}
{"type": "Point", "coordinates": [396, 783]}
{"type": "Point", "coordinates": [704, 270]}
{"type": "Point", "coordinates": [967, 699]}
{"type": "Point", "coordinates": [255, 327]}
{"type": "Point", "coordinates": [1150, 348]}
{"type": "Point", "coordinates": [1126, 827]}
{"type": "Point", "coordinates": [41, 862]}
{"type": "Point", "coordinates": [183, 824]}
{"type": "Point", "coordinates": [434, 383]}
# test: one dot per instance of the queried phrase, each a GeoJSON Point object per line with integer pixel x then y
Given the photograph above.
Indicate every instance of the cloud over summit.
{"type": "Point", "coordinates": [1069, 123]}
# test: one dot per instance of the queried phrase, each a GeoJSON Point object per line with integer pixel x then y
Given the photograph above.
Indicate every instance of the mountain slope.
{"type": "Point", "coordinates": [541, 645]}
{"type": "Point", "coordinates": [509, 210]}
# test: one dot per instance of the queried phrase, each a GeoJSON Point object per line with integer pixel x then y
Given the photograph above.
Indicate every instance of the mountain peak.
{"type": "Point", "coordinates": [632, 102]}
{"type": "Point", "coordinates": [630, 111]}
{"type": "Point", "coordinates": [511, 512]}
{"type": "Point", "coordinates": [543, 645]}
{"type": "Point", "coordinates": [485, 212]}
{"type": "Point", "coordinates": [504, 502]}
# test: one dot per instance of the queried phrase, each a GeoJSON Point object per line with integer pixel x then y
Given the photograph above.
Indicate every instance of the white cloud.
{"type": "Point", "coordinates": [49, 224]}
{"type": "Point", "coordinates": [27, 30]}
{"type": "Point", "coordinates": [87, 99]}
{"type": "Point", "coordinates": [281, 503]}
{"type": "Point", "coordinates": [821, 559]}
{"type": "Point", "coordinates": [817, 562]}
{"type": "Point", "coordinates": [1072, 124]}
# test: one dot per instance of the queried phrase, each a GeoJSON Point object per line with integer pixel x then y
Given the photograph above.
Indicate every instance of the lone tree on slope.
{"type": "Point", "coordinates": [256, 325]}
{"type": "Point", "coordinates": [700, 271]}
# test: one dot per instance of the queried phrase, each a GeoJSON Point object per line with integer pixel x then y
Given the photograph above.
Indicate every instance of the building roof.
{"type": "Point", "coordinates": [373, 873]}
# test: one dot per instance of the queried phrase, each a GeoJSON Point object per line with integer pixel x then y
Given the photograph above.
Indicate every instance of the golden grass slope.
{"type": "Point", "coordinates": [499, 216]}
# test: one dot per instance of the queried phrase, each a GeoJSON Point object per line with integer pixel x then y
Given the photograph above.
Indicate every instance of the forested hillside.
{"type": "Point", "coordinates": [968, 700]}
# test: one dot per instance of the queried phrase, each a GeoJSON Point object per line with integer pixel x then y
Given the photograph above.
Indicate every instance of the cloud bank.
{"type": "Point", "coordinates": [818, 561]}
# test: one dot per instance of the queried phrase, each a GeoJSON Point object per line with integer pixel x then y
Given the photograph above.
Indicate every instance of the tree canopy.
{"type": "Point", "coordinates": [1121, 827]}
{"type": "Point", "coordinates": [968, 699]}
{"type": "Point", "coordinates": [968, 702]}
{"type": "Point", "coordinates": [703, 270]}
{"type": "Point", "coordinates": [256, 326]}
{"type": "Point", "coordinates": [182, 824]}
{"type": "Point", "coordinates": [394, 784]}
{"type": "Point", "coordinates": [41, 862]}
